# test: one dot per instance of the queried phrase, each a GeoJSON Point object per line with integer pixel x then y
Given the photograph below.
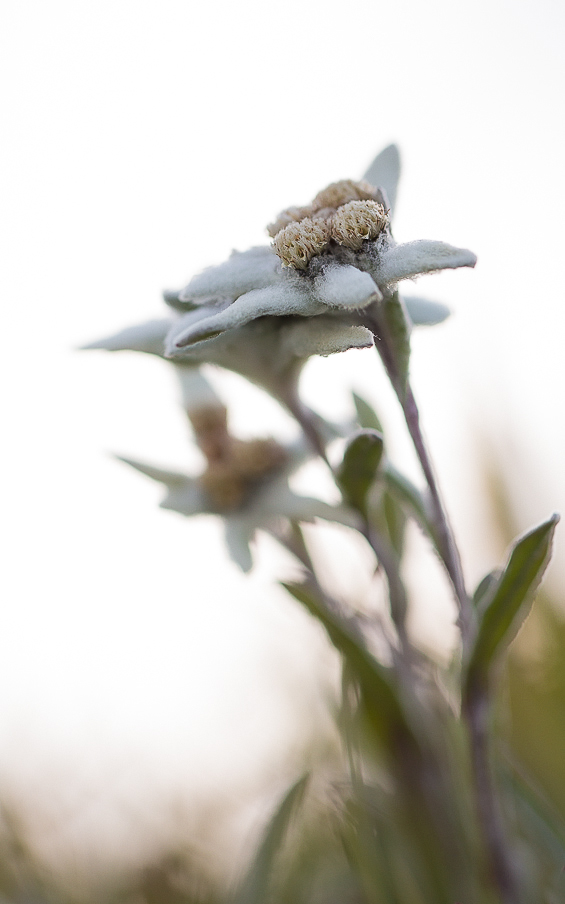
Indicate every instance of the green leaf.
{"type": "Point", "coordinates": [485, 588]}
{"type": "Point", "coordinates": [366, 415]}
{"type": "Point", "coordinates": [506, 604]}
{"type": "Point", "coordinates": [387, 516]}
{"type": "Point", "coordinates": [381, 701]}
{"type": "Point", "coordinates": [257, 885]}
{"type": "Point", "coordinates": [395, 518]}
{"type": "Point", "coordinates": [410, 498]}
{"type": "Point", "coordinates": [360, 463]}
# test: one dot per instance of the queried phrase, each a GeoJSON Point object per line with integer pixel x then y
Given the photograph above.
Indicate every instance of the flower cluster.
{"type": "Point", "coordinates": [345, 213]}
{"type": "Point", "coordinates": [263, 313]}
{"type": "Point", "coordinates": [260, 317]}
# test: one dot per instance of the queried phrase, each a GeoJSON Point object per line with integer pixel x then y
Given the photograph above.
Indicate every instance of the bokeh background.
{"type": "Point", "coordinates": [150, 692]}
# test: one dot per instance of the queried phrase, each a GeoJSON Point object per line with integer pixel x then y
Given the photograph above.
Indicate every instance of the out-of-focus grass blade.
{"type": "Point", "coordinates": [540, 824]}
{"type": "Point", "coordinates": [382, 706]}
{"type": "Point", "coordinates": [358, 469]}
{"type": "Point", "coordinates": [257, 885]}
{"type": "Point", "coordinates": [505, 606]}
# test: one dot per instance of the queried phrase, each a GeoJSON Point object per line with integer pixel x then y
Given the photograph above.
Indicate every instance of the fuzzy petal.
{"type": "Point", "coordinates": [145, 337]}
{"type": "Point", "coordinates": [184, 495]}
{"type": "Point", "coordinates": [244, 270]}
{"type": "Point", "coordinates": [239, 532]}
{"type": "Point", "coordinates": [277, 499]}
{"type": "Point", "coordinates": [414, 258]}
{"type": "Point", "coordinates": [423, 312]}
{"type": "Point", "coordinates": [346, 287]}
{"type": "Point", "coordinates": [186, 499]}
{"type": "Point", "coordinates": [288, 296]}
{"type": "Point", "coordinates": [384, 172]}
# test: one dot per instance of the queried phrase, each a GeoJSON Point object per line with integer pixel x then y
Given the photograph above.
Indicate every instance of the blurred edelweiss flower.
{"type": "Point", "coordinates": [245, 482]}
{"type": "Point", "coordinates": [265, 311]}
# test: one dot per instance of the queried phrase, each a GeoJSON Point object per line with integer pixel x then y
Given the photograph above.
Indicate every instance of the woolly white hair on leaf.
{"type": "Point", "coordinates": [243, 271]}
{"type": "Point", "coordinates": [290, 296]}
{"type": "Point", "coordinates": [324, 336]}
{"type": "Point", "coordinates": [415, 258]}
{"type": "Point", "coordinates": [345, 287]}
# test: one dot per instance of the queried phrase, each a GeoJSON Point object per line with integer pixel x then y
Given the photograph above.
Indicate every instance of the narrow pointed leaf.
{"type": "Point", "coordinates": [384, 172]}
{"type": "Point", "coordinates": [358, 469]}
{"type": "Point", "coordinates": [410, 497]}
{"type": "Point", "coordinates": [388, 516]}
{"type": "Point", "coordinates": [169, 478]}
{"type": "Point", "coordinates": [485, 588]}
{"type": "Point", "coordinates": [510, 599]}
{"type": "Point", "coordinates": [366, 416]}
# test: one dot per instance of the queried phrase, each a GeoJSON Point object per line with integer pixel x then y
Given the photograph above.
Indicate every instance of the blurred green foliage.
{"type": "Point", "coordinates": [376, 829]}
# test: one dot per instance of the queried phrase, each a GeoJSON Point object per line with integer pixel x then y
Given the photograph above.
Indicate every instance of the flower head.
{"type": "Point", "coordinates": [335, 257]}
{"type": "Point", "coordinates": [244, 482]}
{"type": "Point", "coordinates": [265, 311]}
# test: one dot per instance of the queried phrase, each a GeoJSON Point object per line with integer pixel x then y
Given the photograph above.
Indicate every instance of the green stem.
{"type": "Point", "coordinates": [447, 547]}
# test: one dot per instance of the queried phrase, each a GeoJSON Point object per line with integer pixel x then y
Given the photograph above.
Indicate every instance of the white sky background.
{"type": "Point", "coordinates": [142, 142]}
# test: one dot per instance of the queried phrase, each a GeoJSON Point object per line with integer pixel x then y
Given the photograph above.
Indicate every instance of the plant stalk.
{"type": "Point", "coordinates": [448, 550]}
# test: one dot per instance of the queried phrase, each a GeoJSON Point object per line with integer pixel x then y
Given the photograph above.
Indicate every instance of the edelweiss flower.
{"type": "Point", "coordinates": [268, 503]}
{"type": "Point", "coordinates": [333, 258]}
{"type": "Point", "coordinates": [263, 320]}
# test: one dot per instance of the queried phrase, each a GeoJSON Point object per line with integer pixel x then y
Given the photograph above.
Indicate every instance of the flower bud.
{"type": "Point", "coordinates": [339, 193]}
{"type": "Point", "coordinates": [290, 215]}
{"type": "Point", "coordinates": [298, 243]}
{"type": "Point", "coordinates": [357, 222]}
